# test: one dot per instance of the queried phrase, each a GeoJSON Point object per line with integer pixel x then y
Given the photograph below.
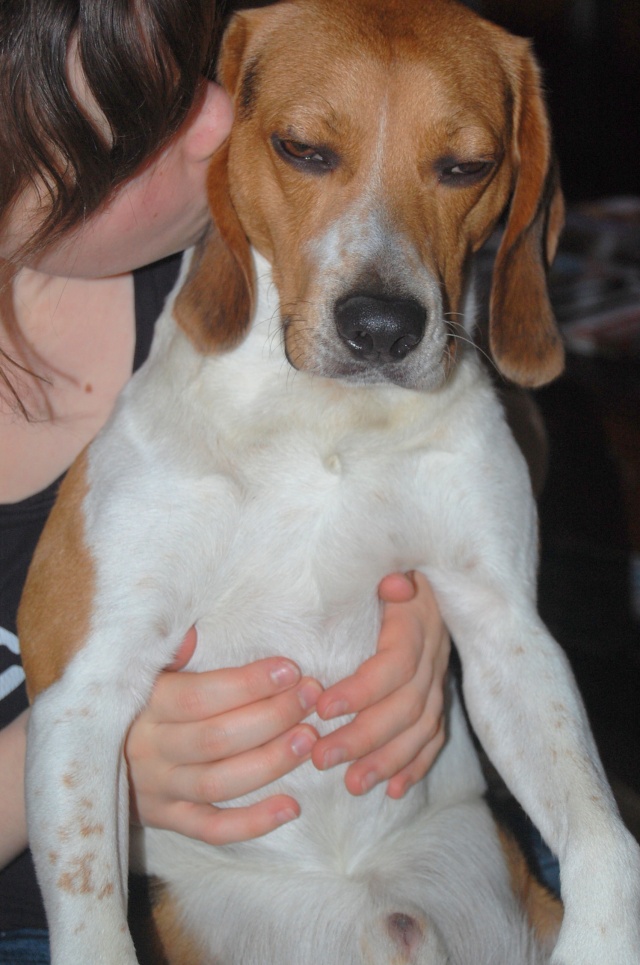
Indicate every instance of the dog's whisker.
{"type": "Point", "coordinates": [469, 341]}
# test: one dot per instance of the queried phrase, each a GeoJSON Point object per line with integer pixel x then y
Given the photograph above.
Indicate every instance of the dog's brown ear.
{"type": "Point", "coordinates": [232, 51]}
{"type": "Point", "coordinates": [215, 305]}
{"type": "Point", "coordinates": [525, 342]}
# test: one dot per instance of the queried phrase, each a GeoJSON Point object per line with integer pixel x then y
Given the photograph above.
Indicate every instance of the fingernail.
{"type": "Point", "coordinates": [411, 576]}
{"type": "Point", "coordinates": [302, 743]}
{"type": "Point", "coordinates": [308, 695]}
{"type": "Point", "coordinates": [402, 790]}
{"type": "Point", "coordinates": [285, 675]}
{"type": "Point", "coordinates": [368, 781]}
{"type": "Point", "coordinates": [336, 709]}
{"type": "Point", "coordinates": [286, 815]}
{"type": "Point", "coordinates": [333, 757]}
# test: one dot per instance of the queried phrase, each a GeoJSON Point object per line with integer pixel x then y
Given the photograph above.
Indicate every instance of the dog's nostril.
{"type": "Point", "coordinates": [362, 340]}
{"type": "Point", "coordinates": [380, 329]}
{"type": "Point", "coordinates": [406, 344]}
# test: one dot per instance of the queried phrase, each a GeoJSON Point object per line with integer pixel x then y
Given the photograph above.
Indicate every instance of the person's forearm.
{"type": "Point", "coordinates": [13, 822]}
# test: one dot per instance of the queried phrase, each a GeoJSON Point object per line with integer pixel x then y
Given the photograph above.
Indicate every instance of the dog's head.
{"type": "Point", "coordinates": [375, 147]}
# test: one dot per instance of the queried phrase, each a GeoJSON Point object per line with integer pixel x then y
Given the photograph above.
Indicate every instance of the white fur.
{"type": "Point", "coordinates": [264, 505]}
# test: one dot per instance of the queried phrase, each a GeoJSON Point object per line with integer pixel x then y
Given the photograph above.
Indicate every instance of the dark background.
{"type": "Point", "coordinates": [590, 53]}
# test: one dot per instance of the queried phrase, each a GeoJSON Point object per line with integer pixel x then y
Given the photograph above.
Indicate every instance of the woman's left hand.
{"type": "Point", "coordinates": [397, 695]}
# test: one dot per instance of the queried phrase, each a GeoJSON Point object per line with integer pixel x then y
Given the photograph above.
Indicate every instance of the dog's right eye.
{"type": "Point", "coordinates": [462, 173]}
{"type": "Point", "coordinates": [305, 157]}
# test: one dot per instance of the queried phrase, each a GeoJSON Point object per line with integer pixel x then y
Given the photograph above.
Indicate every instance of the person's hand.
{"type": "Point", "coordinates": [212, 737]}
{"type": "Point", "coordinates": [397, 695]}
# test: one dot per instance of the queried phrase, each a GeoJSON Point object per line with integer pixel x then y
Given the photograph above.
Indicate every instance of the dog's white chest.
{"type": "Point", "coordinates": [298, 520]}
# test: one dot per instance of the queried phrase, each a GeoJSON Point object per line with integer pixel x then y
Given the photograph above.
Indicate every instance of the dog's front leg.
{"type": "Point", "coordinates": [526, 710]}
{"type": "Point", "coordinates": [77, 805]}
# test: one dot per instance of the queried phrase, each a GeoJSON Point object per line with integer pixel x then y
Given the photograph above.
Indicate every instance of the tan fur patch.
{"type": "Point", "coordinates": [216, 303]}
{"type": "Point", "coordinates": [55, 610]}
{"type": "Point", "coordinates": [177, 947]}
{"type": "Point", "coordinates": [543, 909]}
{"type": "Point", "coordinates": [78, 880]}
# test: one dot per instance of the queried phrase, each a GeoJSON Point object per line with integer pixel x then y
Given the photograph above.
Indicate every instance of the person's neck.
{"type": "Point", "coordinates": [72, 343]}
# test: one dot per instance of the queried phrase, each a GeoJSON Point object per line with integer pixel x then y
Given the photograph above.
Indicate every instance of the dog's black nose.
{"type": "Point", "coordinates": [380, 329]}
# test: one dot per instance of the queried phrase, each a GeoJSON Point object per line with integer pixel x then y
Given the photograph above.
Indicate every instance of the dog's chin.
{"type": "Point", "coordinates": [358, 372]}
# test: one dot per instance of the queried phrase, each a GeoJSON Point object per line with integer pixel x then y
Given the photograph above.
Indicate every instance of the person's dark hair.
{"type": "Point", "coordinates": [142, 60]}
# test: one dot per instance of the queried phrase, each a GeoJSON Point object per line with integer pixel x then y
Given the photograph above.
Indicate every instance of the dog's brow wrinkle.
{"type": "Point", "coordinates": [249, 89]}
{"type": "Point", "coordinates": [380, 143]}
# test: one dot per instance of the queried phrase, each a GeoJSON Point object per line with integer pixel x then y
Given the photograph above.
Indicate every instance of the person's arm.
{"type": "Point", "coordinates": [13, 822]}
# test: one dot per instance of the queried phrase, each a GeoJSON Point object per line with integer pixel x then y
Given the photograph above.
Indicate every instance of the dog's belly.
{"type": "Point", "coordinates": [298, 578]}
{"type": "Point", "coordinates": [337, 835]}
{"type": "Point", "coordinates": [298, 574]}
{"type": "Point", "coordinates": [344, 866]}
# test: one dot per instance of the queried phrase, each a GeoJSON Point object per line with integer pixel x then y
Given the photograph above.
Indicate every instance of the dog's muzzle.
{"type": "Point", "coordinates": [379, 330]}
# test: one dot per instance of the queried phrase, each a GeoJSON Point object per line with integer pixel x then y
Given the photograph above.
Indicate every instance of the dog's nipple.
{"type": "Point", "coordinates": [333, 463]}
{"type": "Point", "coordinates": [406, 933]}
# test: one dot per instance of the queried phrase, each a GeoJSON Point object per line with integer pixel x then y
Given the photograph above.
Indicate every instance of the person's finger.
{"type": "Point", "coordinates": [235, 776]}
{"type": "Point", "coordinates": [400, 783]}
{"type": "Point", "coordinates": [185, 651]}
{"type": "Point", "coordinates": [220, 826]}
{"type": "Point", "coordinates": [377, 678]}
{"type": "Point", "coordinates": [238, 730]}
{"type": "Point", "coordinates": [401, 759]}
{"type": "Point", "coordinates": [397, 588]}
{"type": "Point", "coordinates": [189, 696]}
{"type": "Point", "coordinates": [372, 729]}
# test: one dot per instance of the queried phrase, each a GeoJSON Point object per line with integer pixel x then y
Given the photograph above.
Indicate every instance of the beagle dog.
{"type": "Point", "coordinates": [313, 416]}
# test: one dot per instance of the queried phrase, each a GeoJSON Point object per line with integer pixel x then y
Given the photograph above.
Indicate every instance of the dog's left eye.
{"type": "Point", "coordinates": [305, 156]}
{"type": "Point", "coordinates": [463, 172]}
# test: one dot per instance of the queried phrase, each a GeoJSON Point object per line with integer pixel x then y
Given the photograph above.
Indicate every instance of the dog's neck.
{"type": "Point", "coordinates": [255, 383]}
{"type": "Point", "coordinates": [265, 335]}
